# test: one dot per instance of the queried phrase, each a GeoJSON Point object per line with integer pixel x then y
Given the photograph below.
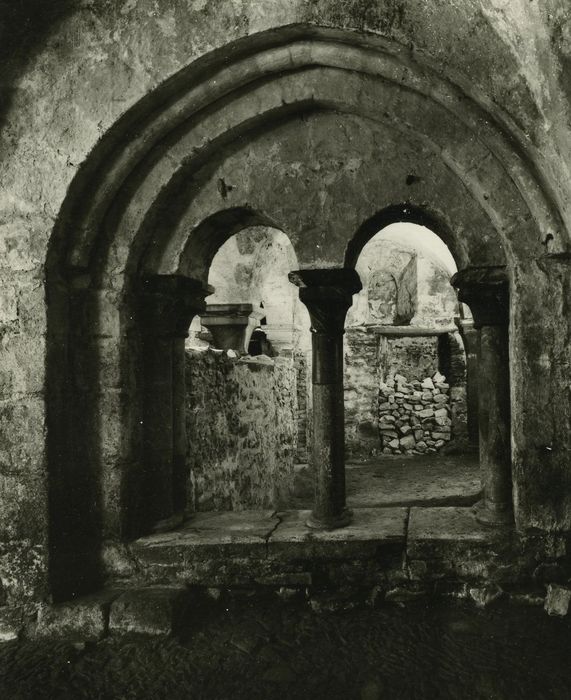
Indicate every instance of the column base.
{"type": "Point", "coordinates": [332, 522]}
{"type": "Point", "coordinates": [494, 515]}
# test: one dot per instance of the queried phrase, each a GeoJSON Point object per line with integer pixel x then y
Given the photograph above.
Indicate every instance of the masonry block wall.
{"type": "Point", "coordinates": [242, 430]}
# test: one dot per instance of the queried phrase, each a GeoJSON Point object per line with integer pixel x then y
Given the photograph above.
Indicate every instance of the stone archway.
{"type": "Point", "coordinates": [158, 196]}
{"type": "Point", "coordinates": [485, 289]}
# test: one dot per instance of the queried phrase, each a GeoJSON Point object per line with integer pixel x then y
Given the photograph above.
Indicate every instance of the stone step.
{"type": "Point", "coordinates": [386, 554]}
{"type": "Point", "coordinates": [269, 548]}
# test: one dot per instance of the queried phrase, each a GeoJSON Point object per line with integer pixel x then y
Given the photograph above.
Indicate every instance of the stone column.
{"type": "Point", "coordinates": [327, 294]}
{"type": "Point", "coordinates": [471, 340]}
{"type": "Point", "coordinates": [232, 325]}
{"type": "Point", "coordinates": [170, 302]}
{"type": "Point", "coordinates": [486, 291]}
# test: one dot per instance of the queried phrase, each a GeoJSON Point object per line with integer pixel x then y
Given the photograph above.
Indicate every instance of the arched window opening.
{"type": "Point", "coordinates": [247, 359]}
{"type": "Point", "coordinates": [405, 378]}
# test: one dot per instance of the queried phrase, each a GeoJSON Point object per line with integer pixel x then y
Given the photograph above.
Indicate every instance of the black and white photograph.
{"type": "Point", "coordinates": [285, 349]}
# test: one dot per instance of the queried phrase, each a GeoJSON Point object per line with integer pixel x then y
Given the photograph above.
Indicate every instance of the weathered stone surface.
{"type": "Point", "coordinates": [369, 530]}
{"type": "Point", "coordinates": [451, 543]}
{"type": "Point", "coordinates": [83, 619]}
{"type": "Point", "coordinates": [407, 442]}
{"type": "Point", "coordinates": [149, 611]}
{"type": "Point", "coordinates": [557, 600]}
{"type": "Point", "coordinates": [15, 620]}
{"type": "Point", "coordinates": [486, 595]}
{"type": "Point", "coordinates": [242, 429]}
{"type": "Point", "coordinates": [333, 602]}
{"type": "Point", "coordinates": [210, 535]}
{"type": "Point", "coordinates": [445, 525]}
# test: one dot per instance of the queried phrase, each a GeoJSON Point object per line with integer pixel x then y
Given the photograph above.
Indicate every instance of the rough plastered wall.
{"type": "Point", "coordinates": [302, 362]}
{"type": "Point", "coordinates": [437, 302]}
{"type": "Point", "coordinates": [402, 285]}
{"type": "Point", "coordinates": [407, 298]}
{"type": "Point", "coordinates": [242, 426]}
{"type": "Point", "coordinates": [361, 391]}
{"type": "Point", "coordinates": [71, 68]}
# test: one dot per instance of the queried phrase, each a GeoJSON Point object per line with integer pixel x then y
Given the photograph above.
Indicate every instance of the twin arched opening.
{"type": "Point", "coordinates": [268, 139]}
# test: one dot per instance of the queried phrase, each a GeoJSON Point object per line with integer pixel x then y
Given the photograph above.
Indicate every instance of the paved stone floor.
{"type": "Point", "coordinates": [432, 480]}
{"type": "Point", "coordinates": [273, 649]}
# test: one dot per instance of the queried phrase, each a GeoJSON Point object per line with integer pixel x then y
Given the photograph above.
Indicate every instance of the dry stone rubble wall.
{"type": "Point", "coordinates": [414, 417]}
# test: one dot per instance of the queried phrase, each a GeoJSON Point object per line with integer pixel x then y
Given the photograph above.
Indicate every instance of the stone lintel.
{"type": "Point", "coordinates": [486, 291]}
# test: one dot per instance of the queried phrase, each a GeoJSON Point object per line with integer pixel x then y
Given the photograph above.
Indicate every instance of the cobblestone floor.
{"type": "Point", "coordinates": [269, 649]}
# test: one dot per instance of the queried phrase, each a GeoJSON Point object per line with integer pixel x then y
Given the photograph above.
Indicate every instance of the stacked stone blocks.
{"type": "Point", "coordinates": [414, 417]}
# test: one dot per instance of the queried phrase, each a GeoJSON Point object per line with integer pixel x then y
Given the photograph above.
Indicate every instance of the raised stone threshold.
{"type": "Point", "coordinates": [386, 554]}
{"type": "Point", "coordinates": [398, 545]}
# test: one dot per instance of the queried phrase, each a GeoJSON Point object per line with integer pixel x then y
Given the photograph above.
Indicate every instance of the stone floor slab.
{"type": "Point", "coordinates": [371, 529]}
{"type": "Point", "coordinates": [446, 524]}
{"type": "Point", "coordinates": [450, 543]}
{"type": "Point", "coordinates": [243, 532]}
{"type": "Point", "coordinates": [221, 527]}
{"type": "Point", "coordinates": [368, 524]}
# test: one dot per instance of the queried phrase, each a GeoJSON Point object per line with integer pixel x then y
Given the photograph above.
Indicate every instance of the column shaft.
{"type": "Point", "coordinates": [327, 295]}
{"type": "Point", "coordinates": [485, 290]}
{"type": "Point", "coordinates": [328, 420]}
{"type": "Point", "coordinates": [179, 470]}
{"type": "Point", "coordinates": [169, 304]}
{"type": "Point", "coordinates": [494, 419]}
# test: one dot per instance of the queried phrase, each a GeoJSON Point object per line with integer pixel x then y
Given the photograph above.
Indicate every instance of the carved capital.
{"type": "Point", "coordinates": [327, 294]}
{"type": "Point", "coordinates": [486, 291]}
{"type": "Point", "coordinates": [170, 302]}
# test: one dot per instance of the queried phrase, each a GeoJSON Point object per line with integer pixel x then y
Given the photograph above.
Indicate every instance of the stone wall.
{"type": "Point", "coordinates": [415, 357]}
{"type": "Point", "coordinates": [396, 399]}
{"type": "Point", "coordinates": [453, 363]}
{"type": "Point", "coordinates": [303, 391]}
{"type": "Point", "coordinates": [361, 392]}
{"type": "Point", "coordinates": [242, 429]}
{"type": "Point", "coordinates": [414, 417]}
